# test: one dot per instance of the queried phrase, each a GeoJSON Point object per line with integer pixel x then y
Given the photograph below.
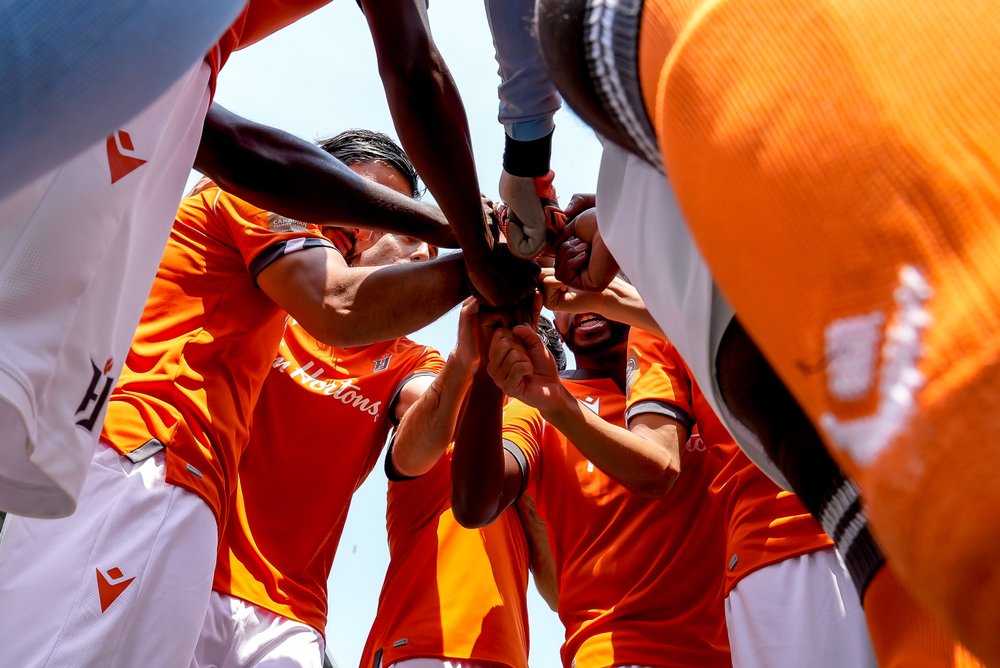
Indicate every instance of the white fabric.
{"type": "Point", "coordinates": [130, 524]}
{"type": "Point", "coordinates": [237, 634]}
{"type": "Point", "coordinates": [77, 258]}
{"type": "Point", "coordinates": [641, 223]}
{"type": "Point", "coordinates": [798, 612]}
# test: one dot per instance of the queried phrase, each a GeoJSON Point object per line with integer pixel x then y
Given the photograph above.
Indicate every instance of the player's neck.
{"type": "Point", "coordinates": [610, 364]}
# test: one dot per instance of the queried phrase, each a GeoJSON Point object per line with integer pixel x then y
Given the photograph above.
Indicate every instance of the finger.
{"type": "Point", "coordinates": [514, 380]}
{"type": "Point", "coordinates": [579, 202]}
{"type": "Point", "coordinates": [534, 348]}
{"type": "Point", "coordinates": [500, 345]}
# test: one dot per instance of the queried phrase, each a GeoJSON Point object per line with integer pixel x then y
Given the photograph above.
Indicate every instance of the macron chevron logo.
{"type": "Point", "coordinates": [121, 165]}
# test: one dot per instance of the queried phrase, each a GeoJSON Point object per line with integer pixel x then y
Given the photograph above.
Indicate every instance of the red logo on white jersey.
{"type": "Point", "coordinates": [110, 591]}
{"type": "Point", "coordinates": [121, 165]}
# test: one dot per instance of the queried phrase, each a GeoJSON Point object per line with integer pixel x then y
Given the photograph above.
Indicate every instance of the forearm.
{"type": "Point", "coordinates": [643, 467]}
{"type": "Point", "coordinates": [542, 562]}
{"type": "Point", "coordinates": [478, 462]}
{"type": "Point", "coordinates": [528, 99]}
{"type": "Point", "coordinates": [364, 305]}
{"type": "Point", "coordinates": [430, 119]}
{"type": "Point", "coordinates": [429, 424]}
{"type": "Point", "coordinates": [623, 303]}
{"type": "Point", "coordinates": [279, 172]}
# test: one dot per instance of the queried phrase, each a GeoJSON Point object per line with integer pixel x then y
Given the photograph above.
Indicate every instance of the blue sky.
{"type": "Point", "coordinates": [318, 77]}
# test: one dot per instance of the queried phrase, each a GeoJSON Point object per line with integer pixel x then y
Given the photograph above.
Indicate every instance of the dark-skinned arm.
{"type": "Point", "coordinates": [430, 119]}
{"type": "Point", "coordinates": [280, 172]}
{"type": "Point", "coordinates": [353, 306]}
{"type": "Point", "coordinates": [485, 478]}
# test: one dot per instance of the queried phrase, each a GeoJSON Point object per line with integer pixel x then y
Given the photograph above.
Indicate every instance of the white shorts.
{"type": "Point", "coordinates": [237, 634]}
{"type": "Point", "coordinates": [78, 254]}
{"type": "Point", "coordinates": [438, 663]}
{"type": "Point", "coordinates": [643, 227]}
{"type": "Point", "coordinates": [798, 612]}
{"type": "Point", "coordinates": [124, 581]}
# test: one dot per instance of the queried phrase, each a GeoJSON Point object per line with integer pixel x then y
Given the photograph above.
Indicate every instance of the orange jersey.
{"type": "Point", "coordinates": [259, 19]}
{"type": "Point", "coordinates": [320, 422]}
{"type": "Point", "coordinates": [764, 524]}
{"type": "Point", "coordinates": [638, 578]}
{"type": "Point", "coordinates": [204, 344]}
{"type": "Point", "coordinates": [450, 592]}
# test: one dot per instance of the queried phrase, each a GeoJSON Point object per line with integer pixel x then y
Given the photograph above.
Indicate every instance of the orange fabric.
{"type": "Point", "coordinates": [904, 634]}
{"type": "Point", "coordinates": [318, 428]}
{"type": "Point", "coordinates": [203, 346]}
{"type": "Point", "coordinates": [450, 592]}
{"type": "Point", "coordinates": [764, 524]}
{"type": "Point", "coordinates": [639, 579]}
{"type": "Point", "coordinates": [259, 19]}
{"type": "Point", "coordinates": [838, 165]}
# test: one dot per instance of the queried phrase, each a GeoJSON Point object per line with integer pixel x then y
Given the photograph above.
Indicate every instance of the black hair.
{"type": "Point", "coordinates": [357, 146]}
{"type": "Point", "coordinates": [552, 340]}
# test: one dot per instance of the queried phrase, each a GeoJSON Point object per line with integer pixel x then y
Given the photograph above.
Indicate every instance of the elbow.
{"type": "Point", "coordinates": [337, 324]}
{"type": "Point", "coordinates": [470, 513]}
{"type": "Point", "coordinates": [656, 486]}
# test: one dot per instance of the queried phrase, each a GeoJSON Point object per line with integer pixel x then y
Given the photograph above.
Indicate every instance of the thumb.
{"type": "Point", "coordinates": [533, 346]}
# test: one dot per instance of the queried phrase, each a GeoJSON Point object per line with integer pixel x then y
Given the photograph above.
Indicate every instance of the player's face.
{"type": "Point", "coordinates": [590, 333]}
{"type": "Point", "coordinates": [394, 249]}
{"type": "Point", "coordinates": [382, 249]}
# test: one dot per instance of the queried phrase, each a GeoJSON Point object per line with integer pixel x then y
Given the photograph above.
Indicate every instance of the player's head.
{"type": "Point", "coordinates": [589, 334]}
{"type": "Point", "coordinates": [552, 340]}
{"type": "Point", "coordinates": [374, 154]}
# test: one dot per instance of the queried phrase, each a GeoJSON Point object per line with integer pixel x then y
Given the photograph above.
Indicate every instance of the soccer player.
{"type": "Point", "coordinates": [902, 632]}
{"type": "Point", "coordinates": [129, 577]}
{"type": "Point", "coordinates": [772, 543]}
{"type": "Point", "coordinates": [452, 595]}
{"type": "Point", "coordinates": [841, 160]}
{"type": "Point", "coordinates": [101, 220]}
{"type": "Point", "coordinates": [333, 408]}
{"type": "Point", "coordinates": [639, 581]}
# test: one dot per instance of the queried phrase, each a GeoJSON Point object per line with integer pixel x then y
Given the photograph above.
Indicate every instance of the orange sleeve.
{"type": "Point", "coordinates": [657, 380]}
{"type": "Point", "coordinates": [522, 438]}
{"type": "Point", "coordinates": [258, 238]}
{"type": "Point", "coordinates": [428, 363]}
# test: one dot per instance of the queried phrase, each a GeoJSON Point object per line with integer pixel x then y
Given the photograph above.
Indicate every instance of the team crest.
{"type": "Point", "coordinates": [594, 404]}
{"type": "Point", "coordinates": [282, 224]}
{"type": "Point", "coordinates": [631, 371]}
{"type": "Point", "coordinates": [382, 364]}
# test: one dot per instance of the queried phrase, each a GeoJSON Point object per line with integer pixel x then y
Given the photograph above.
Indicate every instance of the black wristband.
{"type": "Point", "coordinates": [527, 158]}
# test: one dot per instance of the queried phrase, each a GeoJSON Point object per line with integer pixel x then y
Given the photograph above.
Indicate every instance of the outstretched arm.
{"type": "Point", "coordinates": [542, 561]}
{"type": "Point", "coordinates": [619, 301]}
{"type": "Point", "coordinates": [354, 306]}
{"type": "Point", "coordinates": [485, 478]}
{"type": "Point", "coordinates": [645, 460]}
{"type": "Point", "coordinates": [427, 425]}
{"type": "Point", "coordinates": [279, 172]}
{"type": "Point", "coordinates": [430, 119]}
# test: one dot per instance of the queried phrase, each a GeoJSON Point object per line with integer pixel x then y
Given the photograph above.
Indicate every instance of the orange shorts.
{"type": "Point", "coordinates": [839, 167]}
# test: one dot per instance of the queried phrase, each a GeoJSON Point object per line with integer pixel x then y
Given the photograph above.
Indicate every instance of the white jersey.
{"type": "Point", "coordinates": [78, 251]}
{"type": "Point", "coordinates": [641, 223]}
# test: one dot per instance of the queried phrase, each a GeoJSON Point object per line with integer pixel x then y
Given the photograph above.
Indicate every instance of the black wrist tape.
{"type": "Point", "coordinates": [527, 158]}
